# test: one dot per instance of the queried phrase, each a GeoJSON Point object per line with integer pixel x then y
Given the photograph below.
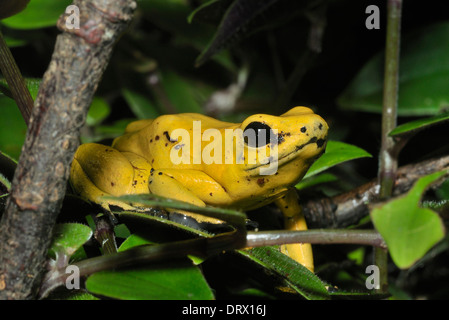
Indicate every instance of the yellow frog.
{"type": "Point", "coordinates": [204, 161]}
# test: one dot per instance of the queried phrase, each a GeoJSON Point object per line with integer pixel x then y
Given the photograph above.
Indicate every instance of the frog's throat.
{"type": "Point", "coordinates": [320, 143]}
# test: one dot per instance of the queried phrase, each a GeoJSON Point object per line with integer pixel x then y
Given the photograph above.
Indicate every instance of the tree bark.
{"type": "Point", "coordinates": [38, 188]}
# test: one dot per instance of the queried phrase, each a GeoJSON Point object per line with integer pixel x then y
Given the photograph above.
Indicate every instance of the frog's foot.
{"type": "Point", "coordinates": [294, 220]}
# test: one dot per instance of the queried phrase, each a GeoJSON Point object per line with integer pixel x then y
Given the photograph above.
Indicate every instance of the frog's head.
{"type": "Point", "coordinates": [280, 149]}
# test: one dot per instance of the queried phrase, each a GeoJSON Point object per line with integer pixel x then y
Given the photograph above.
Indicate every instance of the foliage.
{"type": "Point", "coordinates": [232, 58]}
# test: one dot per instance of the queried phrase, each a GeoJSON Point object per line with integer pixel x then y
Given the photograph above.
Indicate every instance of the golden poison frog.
{"type": "Point", "coordinates": [204, 161]}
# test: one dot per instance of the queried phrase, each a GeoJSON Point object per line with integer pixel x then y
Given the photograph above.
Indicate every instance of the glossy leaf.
{"type": "Point", "coordinates": [178, 280]}
{"type": "Point", "coordinates": [152, 200]}
{"type": "Point", "coordinates": [98, 111]}
{"type": "Point", "coordinates": [423, 74]}
{"type": "Point", "coordinates": [38, 14]}
{"type": "Point", "coordinates": [296, 275]}
{"type": "Point", "coordinates": [408, 229]}
{"type": "Point", "coordinates": [336, 152]}
{"type": "Point", "coordinates": [418, 125]}
{"type": "Point", "coordinates": [140, 105]}
{"type": "Point", "coordinates": [69, 237]}
{"type": "Point", "coordinates": [315, 180]}
{"type": "Point", "coordinates": [133, 241]}
{"type": "Point", "coordinates": [180, 92]}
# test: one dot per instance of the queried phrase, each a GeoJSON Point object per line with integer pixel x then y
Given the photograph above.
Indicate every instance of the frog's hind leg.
{"type": "Point", "coordinates": [294, 220]}
{"type": "Point", "coordinates": [99, 171]}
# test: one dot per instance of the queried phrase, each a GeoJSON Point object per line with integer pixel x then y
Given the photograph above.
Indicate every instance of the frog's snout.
{"type": "Point", "coordinates": [320, 129]}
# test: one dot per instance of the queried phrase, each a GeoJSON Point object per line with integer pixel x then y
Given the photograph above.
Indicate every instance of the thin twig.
{"type": "Point", "coordinates": [316, 236]}
{"type": "Point", "coordinates": [389, 151]}
{"type": "Point", "coordinates": [208, 246]}
{"type": "Point", "coordinates": [15, 81]}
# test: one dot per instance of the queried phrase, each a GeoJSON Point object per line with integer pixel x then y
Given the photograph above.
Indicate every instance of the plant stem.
{"type": "Point", "coordinates": [381, 261]}
{"type": "Point", "coordinates": [15, 81]}
{"type": "Point", "coordinates": [388, 154]}
{"type": "Point", "coordinates": [208, 246]}
{"type": "Point", "coordinates": [316, 236]}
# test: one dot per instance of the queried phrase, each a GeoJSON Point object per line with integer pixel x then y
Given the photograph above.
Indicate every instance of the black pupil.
{"type": "Point", "coordinates": [257, 134]}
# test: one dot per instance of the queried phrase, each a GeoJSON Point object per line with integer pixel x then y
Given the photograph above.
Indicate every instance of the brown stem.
{"type": "Point", "coordinates": [348, 208]}
{"type": "Point", "coordinates": [15, 81]}
{"type": "Point", "coordinates": [78, 62]}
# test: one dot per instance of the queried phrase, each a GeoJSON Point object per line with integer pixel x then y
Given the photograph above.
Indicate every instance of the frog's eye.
{"type": "Point", "coordinates": [257, 134]}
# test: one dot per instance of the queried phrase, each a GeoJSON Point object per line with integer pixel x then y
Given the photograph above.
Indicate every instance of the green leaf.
{"type": "Point", "coordinates": [178, 280]}
{"type": "Point", "coordinates": [38, 14]}
{"type": "Point", "coordinates": [151, 200]}
{"type": "Point", "coordinates": [98, 111]}
{"type": "Point", "coordinates": [140, 105]}
{"type": "Point", "coordinates": [336, 153]}
{"type": "Point", "coordinates": [133, 241]}
{"type": "Point", "coordinates": [418, 125]}
{"type": "Point", "coordinates": [296, 275]}
{"type": "Point", "coordinates": [180, 92]}
{"type": "Point", "coordinates": [408, 229]}
{"type": "Point", "coordinates": [423, 74]}
{"type": "Point", "coordinates": [69, 237]}
{"type": "Point", "coordinates": [315, 180]}
{"type": "Point", "coordinates": [12, 127]}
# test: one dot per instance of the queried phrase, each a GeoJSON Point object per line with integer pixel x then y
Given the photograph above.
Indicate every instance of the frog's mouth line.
{"type": "Point", "coordinates": [319, 142]}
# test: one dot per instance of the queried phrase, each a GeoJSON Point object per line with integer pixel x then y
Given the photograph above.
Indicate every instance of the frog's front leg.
{"type": "Point", "coordinates": [191, 186]}
{"type": "Point", "coordinates": [294, 220]}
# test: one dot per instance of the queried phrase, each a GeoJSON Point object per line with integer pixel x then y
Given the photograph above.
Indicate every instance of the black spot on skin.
{"type": "Point", "coordinates": [320, 126]}
{"type": "Point", "coordinates": [151, 140]}
{"type": "Point", "coordinates": [303, 129]}
{"type": "Point", "coordinates": [159, 173]}
{"type": "Point", "coordinates": [156, 138]}
{"type": "Point", "coordinates": [261, 182]}
{"type": "Point", "coordinates": [286, 207]}
{"type": "Point", "coordinates": [320, 142]}
{"type": "Point", "coordinates": [210, 194]}
{"type": "Point", "coordinates": [112, 184]}
{"type": "Point", "coordinates": [166, 144]}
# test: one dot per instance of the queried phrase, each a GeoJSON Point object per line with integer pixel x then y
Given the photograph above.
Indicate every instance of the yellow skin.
{"type": "Point", "coordinates": [141, 161]}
